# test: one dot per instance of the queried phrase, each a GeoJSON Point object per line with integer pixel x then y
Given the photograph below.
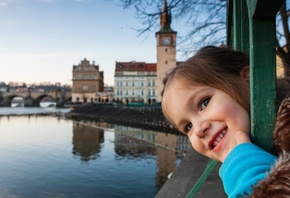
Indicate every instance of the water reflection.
{"type": "Point", "coordinates": [131, 142]}
{"type": "Point", "coordinates": [129, 146]}
{"type": "Point", "coordinates": [86, 141]}
{"type": "Point", "coordinates": [137, 142]}
{"type": "Point", "coordinates": [40, 157]}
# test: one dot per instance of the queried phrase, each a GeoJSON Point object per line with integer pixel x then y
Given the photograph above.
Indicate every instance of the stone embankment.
{"type": "Point", "coordinates": [147, 117]}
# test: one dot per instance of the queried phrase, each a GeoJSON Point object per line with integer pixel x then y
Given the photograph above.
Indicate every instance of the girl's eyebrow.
{"type": "Point", "coordinates": [195, 95]}
{"type": "Point", "coordinates": [180, 124]}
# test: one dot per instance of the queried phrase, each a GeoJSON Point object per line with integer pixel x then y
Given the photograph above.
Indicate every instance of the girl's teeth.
{"type": "Point", "coordinates": [218, 139]}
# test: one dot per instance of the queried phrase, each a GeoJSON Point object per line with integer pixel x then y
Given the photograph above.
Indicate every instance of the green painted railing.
{"type": "Point", "coordinates": [208, 169]}
{"type": "Point", "coordinates": [251, 28]}
{"type": "Point", "coordinates": [262, 39]}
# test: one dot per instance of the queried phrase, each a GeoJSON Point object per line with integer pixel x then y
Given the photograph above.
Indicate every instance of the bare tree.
{"type": "Point", "coordinates": [283, 37]}
{"type": "Point", "coordinates": [198, 21]}
{"type": "Point", "coordinates": [202, 23]}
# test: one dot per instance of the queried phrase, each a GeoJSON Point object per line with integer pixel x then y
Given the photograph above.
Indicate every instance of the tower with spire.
{"type": "Point", "coordinates": [166, 48]}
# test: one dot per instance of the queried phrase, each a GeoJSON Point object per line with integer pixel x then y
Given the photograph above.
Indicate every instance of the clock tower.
{"type": "Point", "coordinates": [166, 48]}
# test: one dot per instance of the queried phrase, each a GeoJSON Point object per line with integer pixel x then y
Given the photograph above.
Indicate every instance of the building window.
{"type": "Point", "coordinates": [85, 87]}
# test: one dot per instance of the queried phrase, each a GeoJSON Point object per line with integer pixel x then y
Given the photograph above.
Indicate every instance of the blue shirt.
{"type": "Point", "coordinates": [243, 168]}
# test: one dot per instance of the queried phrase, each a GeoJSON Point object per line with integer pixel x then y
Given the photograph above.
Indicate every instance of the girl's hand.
{"type": "Point", "coordinates": [242, 137]}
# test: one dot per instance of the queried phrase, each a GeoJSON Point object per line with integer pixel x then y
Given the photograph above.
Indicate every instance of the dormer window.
{"type": "Point", "coordinates": [121, 66]}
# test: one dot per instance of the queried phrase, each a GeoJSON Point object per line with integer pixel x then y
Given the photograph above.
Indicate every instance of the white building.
{"type": "Point", "coordinates": [135, 82]}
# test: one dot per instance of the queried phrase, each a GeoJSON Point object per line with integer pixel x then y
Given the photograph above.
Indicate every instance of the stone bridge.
{"type": "Point", "coordinates": [34, 98]}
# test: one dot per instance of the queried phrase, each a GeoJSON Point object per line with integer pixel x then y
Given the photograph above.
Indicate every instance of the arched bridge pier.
{"type": "Point", "coordinates": [34, 98]}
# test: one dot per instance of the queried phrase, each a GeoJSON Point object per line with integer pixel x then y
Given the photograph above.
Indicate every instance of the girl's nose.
{"type": "Point", "coordinates": [200, 128]}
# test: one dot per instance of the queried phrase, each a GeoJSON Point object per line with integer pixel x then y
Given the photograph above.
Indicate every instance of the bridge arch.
{"type": "Point", "coordinates": [34, 98]}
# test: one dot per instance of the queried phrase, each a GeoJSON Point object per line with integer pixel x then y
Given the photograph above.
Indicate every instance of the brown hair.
{"type": "Point", "coordinates": [217, 67]}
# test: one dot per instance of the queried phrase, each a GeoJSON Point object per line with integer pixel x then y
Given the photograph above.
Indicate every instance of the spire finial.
{"type": "Point", "coordinates": [165, 18]}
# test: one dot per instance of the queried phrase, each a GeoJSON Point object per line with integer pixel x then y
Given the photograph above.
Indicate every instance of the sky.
{"type": "Point", "coordinates": [41, 40]}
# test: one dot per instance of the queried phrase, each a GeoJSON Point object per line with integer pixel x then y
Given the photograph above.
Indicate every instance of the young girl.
{"type": "Point", "coordinates": [207, 98]}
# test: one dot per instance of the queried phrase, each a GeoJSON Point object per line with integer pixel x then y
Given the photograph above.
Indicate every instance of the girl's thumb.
{"type": "Point", "coordinates": [242, 137]}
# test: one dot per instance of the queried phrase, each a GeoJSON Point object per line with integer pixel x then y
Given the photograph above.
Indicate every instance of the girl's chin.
{"type": "Point", "coordinates": [220, 154]}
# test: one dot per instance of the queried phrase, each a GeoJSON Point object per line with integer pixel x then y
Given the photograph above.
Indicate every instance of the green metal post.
{"type": "Point", "coordinates": [262, 69]}
{"type": "Point", "coordinates": [240, 26]}
{"type": "Point", "coordinates": [229, 22]}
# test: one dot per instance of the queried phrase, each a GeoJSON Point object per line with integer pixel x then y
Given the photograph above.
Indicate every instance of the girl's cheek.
{"type": "Point", "coordinates": [196, 144]}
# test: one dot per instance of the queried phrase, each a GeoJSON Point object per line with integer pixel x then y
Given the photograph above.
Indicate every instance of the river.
{"type": "Point", "coordinates": [50, 156]}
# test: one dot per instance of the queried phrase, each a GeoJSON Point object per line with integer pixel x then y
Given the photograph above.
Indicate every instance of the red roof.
{"type": "Point", "coordinates": [135, 66]}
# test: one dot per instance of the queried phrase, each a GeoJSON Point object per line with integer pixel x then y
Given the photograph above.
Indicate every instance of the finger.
{"type": "Point", "coordinates": [242, 137]}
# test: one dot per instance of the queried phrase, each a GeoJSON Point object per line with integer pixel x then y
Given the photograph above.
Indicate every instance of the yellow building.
{"type": "Point", "coordinates": [87, 81]}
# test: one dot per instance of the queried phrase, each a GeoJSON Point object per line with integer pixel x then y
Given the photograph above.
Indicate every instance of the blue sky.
{"type": "Point", "coordinates": [41, 40]}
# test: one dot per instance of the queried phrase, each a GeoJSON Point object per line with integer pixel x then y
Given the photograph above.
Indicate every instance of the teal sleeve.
{"type": "Point", "coordinates": [244, 167]}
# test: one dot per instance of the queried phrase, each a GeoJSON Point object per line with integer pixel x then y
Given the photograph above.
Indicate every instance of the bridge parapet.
{"type": "Point", "coordinates": [36, 97]}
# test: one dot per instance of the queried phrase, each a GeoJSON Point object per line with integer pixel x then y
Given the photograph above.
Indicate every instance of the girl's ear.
{"type": "Point", "coordinates": [245, 74]}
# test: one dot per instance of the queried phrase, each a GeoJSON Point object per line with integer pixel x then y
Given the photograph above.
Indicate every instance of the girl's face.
{"type": "Point", "coordinates": [208, 116]}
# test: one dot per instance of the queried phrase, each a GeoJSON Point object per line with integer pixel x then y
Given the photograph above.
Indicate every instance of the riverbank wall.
{"type": "Point", "coordinates": [147, 117]}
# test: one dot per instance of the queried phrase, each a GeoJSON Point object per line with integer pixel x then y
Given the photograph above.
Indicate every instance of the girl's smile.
{"type": "Point", "coordinates": [216, 139]}
{"type": "Point", "coordinates": [208, 116]}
